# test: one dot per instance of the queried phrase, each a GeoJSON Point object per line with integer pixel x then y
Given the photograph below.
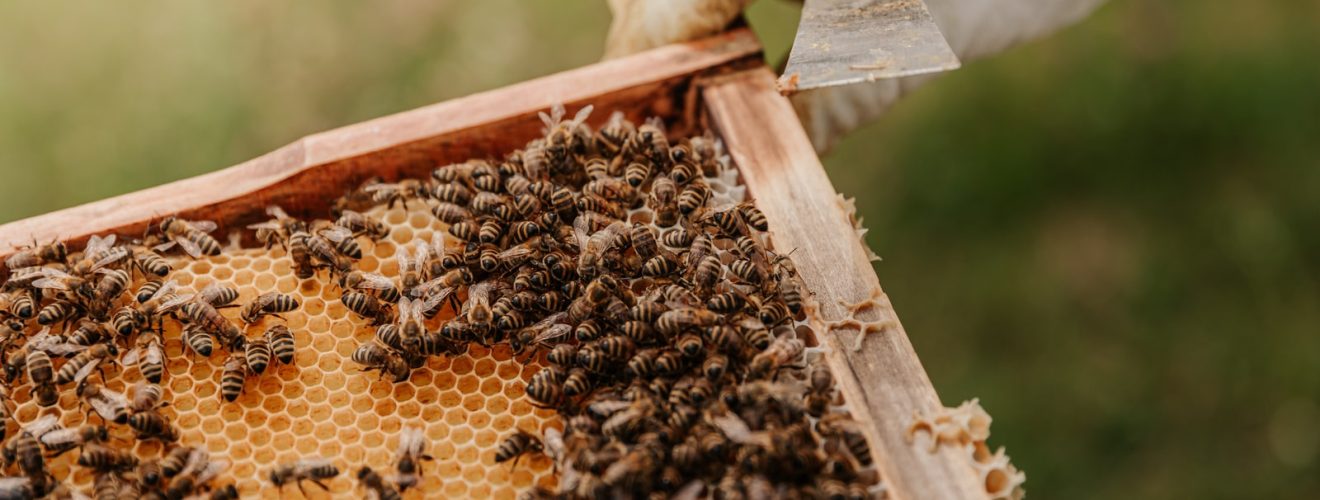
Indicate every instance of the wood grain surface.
{"type": "Point", "coordinates": [303, 177]}
{"type": "Point", "coordinates": [883, 382]}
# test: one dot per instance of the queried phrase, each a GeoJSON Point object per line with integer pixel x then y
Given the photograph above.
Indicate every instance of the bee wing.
{"type": "Point", "coordinates": [689, 491]}
{"type": "Point", "coordinates": [174, 302]}
{"type": "Point", "coordinates": [211, 470]}
{"type": "Point", "coordinates": [737, 430]}
{"type": "Point", "coordinates": [58, 437]}
{"type": "Point", "coordinates": [204, 226]}
{"type": "Point", "coordinates": [422, 254]}
{"type": "Point", "coordinates": [110, 259]}
{"type": "Point", "coordinates": [132, 355]}
{"type": "Point", "coordinates": [86, 370]}
{"type": "Point", "coordinates": [276, 212]}
{"type": "Point", "coordinates": [411, 442]}
{"type": "Point", "coordinates": [109, 403]}
{"type": "Point", "coordinates": [42, 426]}
{"type": "Point", "coordinates": [404, 259]}
{"type": "Point", "coordinates": [336, 234]}
{"type": "Point", "coordinates": [375, 281]}
{"type": "Point", "coordinates": [517, 252]}
{"type": "Point", "coordinates": [405, 308]}
{"type": "Point", "coordinates": [438, 243]}
{"type": "Point", "coordinates": [552, 333]}
{"type": "Point", "coordinates": [210, 293]}
{"type": "Point", "coordinates": [582, 230]}
{"type": "Point", "coordinates": [15, 487]}
{"type": "Point", "coordinates": [582, 115]}
{"type": "Point", "coordinates": [164, 246]}
{"type": "Point", "coordinates": [380, 186]}
{"type": "Point", "coordinates": [264, 300]}
{"type": "Point", "coordinates": [26, 274]}
{"type": "Point", "coordinates": [308, 464]}
{"type": "Point", "coordinates": [166, 288]}
{"type": "Point", "coordinates": [189, 247]}
{"type": "Point", "coordinates": [608, 407]}
{"type": "Point", "coordinates": [272, 225]}
{"type": "Point", "coordinates": [553, 442]}
{"type": "Point", "coordinates": [429, 302]}
{"type": "Point", "coordinates": [97, 244]}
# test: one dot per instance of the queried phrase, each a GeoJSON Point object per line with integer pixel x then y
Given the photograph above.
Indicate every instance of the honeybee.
{"type": "Point", "coordinates": [59, 441]}
{"type": "Point", "coordinates": [99, 253]}
{"type": "Point", "coordinates": [191, 236]}
{"type": "Point", "coordinates": [308, 469]}
{"type": "Point", "coordinates": [367, 306]}
{"type": "Point", "coordinates": [842, 427]}
{"type": "Point", "coordinates": [235, 371]}
{"type": "Point", "coordinates": [17, 303]}
{"type": "Point", "coordinates": [341, 238]}
{"type": "Point", "coordinates": [650, 141]}
{"type": "Point", "coordinates": [693, 197]}
{"type": "Point", "coordinates": [37, 255]}
{"type": "Point", "coordinates": [373, 356]}
{"type": "Point", "coordinates": [208, 318]}
{"type": "Point", "coordinates": [149, 262]}
{"type": "Point", "coordinates": [146, 397]}
{"type": "Point", "coordinates": [111, 405]}
{"type": "Point", "coordinates": [271, 303]}
{"type": "Point", "coordinates": [17, 487]}
{"type": "Point", "coordinates": [411, 325]}
{"type": "Point", "coordinates": [391, 193]}
{"type": "Point", "coordinates": [517, 444]}
{"type": "Point", "coordinates": [197, 472]}
{"type": "Point", "coordinates": [81, 365]}
{"type": "Point", "coordinates": [780, 353]}
{"type": "Point", "coordinates": [593, 245]}
{"type": "Point", "coordinates": [376, 284]}
{"type": "Point", "coordinates": [324, 249]}
{"type": "Point", "coordinates": [281, 343]}
{"type": "Point", "coordinates": [196, 338]}
{"type": "Point", "coordinates": [105, 459]}
{"type": "Point", "coordinates": [477, 308]}
{"type": "Point", "coordinates": [411, 451]}
{"type": "Point", "coordinates": [543, 332]}
{"type": "Point", "coordinates": [363, 224]}
{"type": "Point", "coordinates": [50, 278]}
{"type": "Point", "coordinates": [148, 355]}
{"type": "Point", "coordinates": [820, 390]}
{"type": "Point", "coordinates": [614, 134]}
{"type": "Point", "coordinates": [376, 484]}
{"type": "Point", "coordinates": [54, 312]}
{"type": "Point", "coordinates": [674, 321]}
{"type": "Point", "coordinates": [664, 194]}
{"type": "Point", "coordinates": [257, 354]}
{"type": "Point", "coordinates": [151, 424]}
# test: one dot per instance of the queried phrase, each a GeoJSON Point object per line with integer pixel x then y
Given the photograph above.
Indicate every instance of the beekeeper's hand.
{"type": "Point", "coordinates": [974, 28]}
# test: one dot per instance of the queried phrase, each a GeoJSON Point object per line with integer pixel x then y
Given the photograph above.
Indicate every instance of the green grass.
{"type": "Point", "coordinates": [1109, 236]}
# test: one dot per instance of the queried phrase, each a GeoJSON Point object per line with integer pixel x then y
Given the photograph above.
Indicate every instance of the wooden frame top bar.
{"type": "Point", "coordinates": [406, 143]}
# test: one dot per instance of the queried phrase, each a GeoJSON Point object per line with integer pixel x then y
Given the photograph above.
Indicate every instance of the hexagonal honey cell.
{"type": "Point", "coordinates": [324, 404]}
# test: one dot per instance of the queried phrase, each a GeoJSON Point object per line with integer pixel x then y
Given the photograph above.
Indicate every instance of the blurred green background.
{"type": "Point", "coordinates": [1109, 236]}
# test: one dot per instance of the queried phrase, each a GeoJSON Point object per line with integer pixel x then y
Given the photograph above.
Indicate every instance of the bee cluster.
{"type": "Point", "coordinates": [65, 318]}
{"type": "Point", "coordinates": [672, 336]}
{"type": "Point", "coordinates": [670, 328]}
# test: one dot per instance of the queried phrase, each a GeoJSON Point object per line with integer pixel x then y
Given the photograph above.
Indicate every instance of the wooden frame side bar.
{"type": "Point", "coordinates": [303, 177]}
{"type": "Point", "coordinates": [884, 382]}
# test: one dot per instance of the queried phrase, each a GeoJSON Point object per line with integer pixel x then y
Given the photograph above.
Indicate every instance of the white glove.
{"type": "Point", "coordinates": [974, 29]}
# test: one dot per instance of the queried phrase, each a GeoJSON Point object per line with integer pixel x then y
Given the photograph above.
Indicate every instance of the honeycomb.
{"type": "Point", "coordinates": [324, 404]}
{"type": "Point", "coordinates": [967, 426]}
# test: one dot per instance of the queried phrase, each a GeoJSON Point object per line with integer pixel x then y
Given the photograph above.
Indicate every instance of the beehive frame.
{"type": "Point", "coordinates": [718, 82]}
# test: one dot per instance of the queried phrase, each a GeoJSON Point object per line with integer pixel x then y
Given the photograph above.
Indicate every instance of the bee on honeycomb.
{"type": "Point", "coordinates": [597, 313]}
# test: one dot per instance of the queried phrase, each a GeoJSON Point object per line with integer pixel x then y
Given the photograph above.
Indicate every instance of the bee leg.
{"type": "Point", "coordinates": [322, 485]}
